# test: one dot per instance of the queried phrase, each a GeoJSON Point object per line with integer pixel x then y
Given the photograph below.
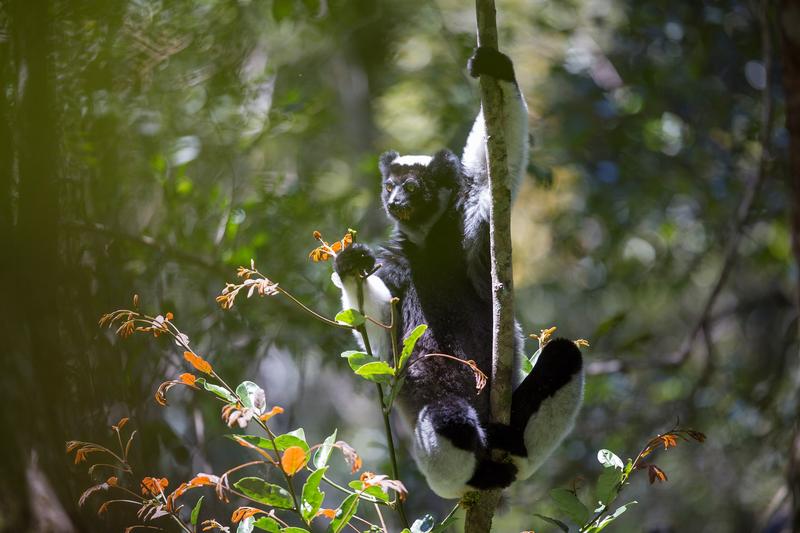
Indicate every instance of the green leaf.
{"type": "Point", "coordinates": [535, 357]}
{"type": "Point", "coordinates": [526, 366]}
{"type": "Point", "coordinates": [219, 391]}
{"type": "Point", "coordinates": [423, 525]}
{"type": "Point", "coordinates": [344, 514]}
{"type": "Point", "coordinates": [351, 317]}
{"type": "Point", "coordinates": [323, 453]}
{"type": "Point", "coordinates": [607, 483]}
{"type": "Point", "coordinates": [246, 525]}
{"type": "Point", "coordinates": [248, 391]}
{"type": "Point", "coordinates": [558, 523]}
{"type": "Point", "coordinates": [358, 359]}
{"type": "Point", "coordinates": [628, 467]}
{"type": "Point", "coordinates": [377, 371]}
{"type": "Point", "coordinates": [608, 458]}
{"type": "Point", "coordinates": [610, 518]}
{"type": "Point", "coordinates": [293, 438]}
{"type": "Point", "coordinates": [294, 530]}
{"type": "Point", "coordinates": [569, 504]}
{"type": "Point", "coordinates": [266, 493]}
{"type": "Point", "coordinates": [196, 511]}
{"type": "Point", "coordinates": [408, 344]}
{"type": "Point", "coordinates": [375, 492]}
{"type": "Point", "coordinates": [444, 525]}
{"type": "Point", "coordinates": [268, 524]}
{"type": "Point", "coordinates": [312, 496]}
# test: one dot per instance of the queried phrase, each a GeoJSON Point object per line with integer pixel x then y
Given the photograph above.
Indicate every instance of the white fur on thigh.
{"type": "Point", "coordinates": [377, 305]}
{"type": "Point", "coordinates": [446, 468]}
{"type": "Point", "coordinates": [549, 425]}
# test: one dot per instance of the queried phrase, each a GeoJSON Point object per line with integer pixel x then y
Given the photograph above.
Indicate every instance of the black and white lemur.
{"type": "Point", "coordinates": [437, 264]}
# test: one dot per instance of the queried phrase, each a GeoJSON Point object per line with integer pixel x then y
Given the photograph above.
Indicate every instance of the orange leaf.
{"type": "Point", "coordinates": [294, 458]}
{"type": "Point", "coordinates": [244, 512]}
{"type": "Point", "coordinates": [198, 362]}
{"type": "Point", "coordinates": [655, 473]}
{"type": "Point", "coordinates": [274, 411]}
{"type": "Point", "coordinates": [327, 513]}
{"type": "Point", "coordinates": [188, 379]}
{"type": "Point", "coordinates": [154, 486]}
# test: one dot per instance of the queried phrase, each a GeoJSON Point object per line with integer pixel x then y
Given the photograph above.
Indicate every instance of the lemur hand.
{"type": "Point", "coordinates": [490, 61]}
{"type": "Point", "coordinates": [354, 259]}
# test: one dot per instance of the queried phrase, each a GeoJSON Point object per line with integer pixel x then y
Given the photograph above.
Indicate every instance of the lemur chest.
{"type": "Point", "coordinates": [459, 319]}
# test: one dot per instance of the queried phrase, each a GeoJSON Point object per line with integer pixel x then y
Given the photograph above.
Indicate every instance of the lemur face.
{"type": "Point", "coordinates": [417, 188]}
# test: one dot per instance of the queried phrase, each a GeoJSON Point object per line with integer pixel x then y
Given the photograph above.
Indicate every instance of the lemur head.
{"type": "Point", "coordinates": [417, 189]}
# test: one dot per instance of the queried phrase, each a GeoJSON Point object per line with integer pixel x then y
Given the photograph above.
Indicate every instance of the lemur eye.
{"type": "Point", "coordinates": [389, 186]}
{"type": "Point", "coordinates": [411, 186]}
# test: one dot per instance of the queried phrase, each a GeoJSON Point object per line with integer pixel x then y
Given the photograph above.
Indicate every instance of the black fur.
{"type": "Point", "coordinates": [358, 260]}
{"type": "Point", "coordinates": [491, 62]}
{"type": "Point", "coordinates": [559, 361]}
{"type": "Point", "coordinates": [437, 265]}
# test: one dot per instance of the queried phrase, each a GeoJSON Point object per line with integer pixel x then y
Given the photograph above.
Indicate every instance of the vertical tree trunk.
{"type": "Point", "coordinates": [789, 20]}
{"type": "Point", "coordinates": [34, 267]}
{"type": "Point", "coordinates": [481, 507]}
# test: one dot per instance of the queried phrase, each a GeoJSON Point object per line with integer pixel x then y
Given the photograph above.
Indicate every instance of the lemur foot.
{"type": "Point", "coordinates": [492, 62]}
{"type": "Point", "coordinates": [493, 475]}
{"type": "Point", "coordinates": [506, 438]}
{"type": "Point", "coordinates": [354, 259]}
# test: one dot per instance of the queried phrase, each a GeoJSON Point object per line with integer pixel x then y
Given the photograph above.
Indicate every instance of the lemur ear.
{"type": "Point", "coordinates": [445, 168]}
{"type": "Point", "coordinates": [386, 160]}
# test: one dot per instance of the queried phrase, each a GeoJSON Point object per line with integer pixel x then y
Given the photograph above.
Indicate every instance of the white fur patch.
{"type": "Point", "coordinates": [376, 305]}
{"type": "Point", "coordinates": [515, 127]}
{"type": "Point", "coordinates": [445, 467]}
{"type": "Point", "coordinates": [548, 427]}
{"type": "Point", "coordinates": [408, 160]}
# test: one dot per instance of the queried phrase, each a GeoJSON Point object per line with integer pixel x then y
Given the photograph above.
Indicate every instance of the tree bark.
{"type": "Point", "coordinates": [789, 20]}
{"type": "Point", "coordinates": [481, 506]}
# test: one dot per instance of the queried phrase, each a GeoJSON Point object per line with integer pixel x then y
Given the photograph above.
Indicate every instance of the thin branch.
{"type": "Point", "coordinates": [736, 232]}
{"type": "Point", "coordinates": [746, 203]}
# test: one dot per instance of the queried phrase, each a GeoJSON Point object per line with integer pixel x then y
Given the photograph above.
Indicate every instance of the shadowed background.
{"type": "Point", "coordinates": [152, 147]}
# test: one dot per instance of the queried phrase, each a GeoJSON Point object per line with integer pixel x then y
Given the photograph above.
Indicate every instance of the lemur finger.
{"type": "Point", "coordinates": [492, 62]}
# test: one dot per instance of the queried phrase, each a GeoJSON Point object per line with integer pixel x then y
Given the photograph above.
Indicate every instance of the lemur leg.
{"type": "Point", "coordinates": [543, 407]}
{"type": "Point", "coordinates": [450, 450]}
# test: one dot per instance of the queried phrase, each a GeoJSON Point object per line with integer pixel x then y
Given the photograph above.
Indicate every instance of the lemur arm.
{"type": "Point", "coordinates": [375, 295]}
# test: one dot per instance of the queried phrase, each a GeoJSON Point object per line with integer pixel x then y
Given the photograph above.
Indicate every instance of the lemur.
{"type": "Point", "coordinates": [437, 264]}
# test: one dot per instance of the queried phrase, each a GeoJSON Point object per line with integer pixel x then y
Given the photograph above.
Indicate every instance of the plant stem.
{"type": "Point", "coordinates": [310, 311]}
{"type": "Point", "coordinates": [387, 426]}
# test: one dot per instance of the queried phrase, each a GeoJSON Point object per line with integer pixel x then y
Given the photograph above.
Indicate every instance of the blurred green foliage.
{"type": "Point", "coordinates": [150, 147]}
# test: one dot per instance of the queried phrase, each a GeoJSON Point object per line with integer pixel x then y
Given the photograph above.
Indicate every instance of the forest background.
{"type": "Point", "coordinates": [152, 147]}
